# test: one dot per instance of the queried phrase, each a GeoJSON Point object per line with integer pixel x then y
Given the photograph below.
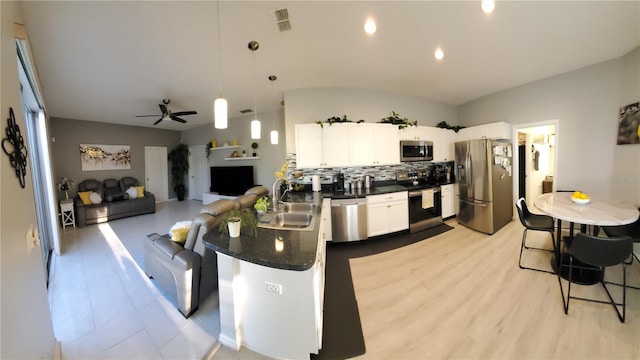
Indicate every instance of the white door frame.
{"type": "Point", "coordinates": [516, 162]}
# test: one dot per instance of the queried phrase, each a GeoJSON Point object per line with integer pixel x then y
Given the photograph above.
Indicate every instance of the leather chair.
{"type": "Point", "coordinates": [597, 253]}
{"type": "Point", "coordinates": [534, 222]}
{"type": "Point", "coordinates": [187, 273]}
{"type": "Point", "coordinates": [112, 192]}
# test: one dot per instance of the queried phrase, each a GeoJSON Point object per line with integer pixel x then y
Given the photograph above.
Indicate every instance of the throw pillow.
{"type": "Point", "coordinates": [179, 231]}
{"type": "Point", "coordinates": [140, 190]}
{"type": "Point", "coordinates": [95, 198]}
{"type": "Point", "coordinates": [132, 192]}
{"type": "Point", "coordinates": [84, 196]}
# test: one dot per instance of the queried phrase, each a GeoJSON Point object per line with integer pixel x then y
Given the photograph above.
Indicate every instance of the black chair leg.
{"type": "Point", "coordinates": [524, 246]}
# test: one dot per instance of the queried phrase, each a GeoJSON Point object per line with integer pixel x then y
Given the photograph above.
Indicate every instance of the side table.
{"type": "Point", "coordinates": [67, 212]}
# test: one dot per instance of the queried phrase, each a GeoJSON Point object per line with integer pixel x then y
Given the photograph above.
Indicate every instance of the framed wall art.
{"type": "Point", "coordinates": [629, 124]}
{"type": "Point", "coordinates": [105, 157]}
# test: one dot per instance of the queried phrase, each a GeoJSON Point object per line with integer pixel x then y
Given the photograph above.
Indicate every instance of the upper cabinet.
{"type": "Point", "coordinates": [497, 130]}
{"type": "Point", "coordinates": [318, 147]}
{"type": "Point", "coordinates": [443, 145]}
{"type": "Point", "coordinates": [373, 144]}
{"type": "Point", "coordinates": [415, 133]}
{"type": "Point", "coordinates": [346, 144]}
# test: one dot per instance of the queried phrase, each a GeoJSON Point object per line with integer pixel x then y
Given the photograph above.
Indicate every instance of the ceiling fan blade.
{"type": "Point", "coordinates": [147, 115]}
{"type": "Point", "coordinates": [179, 113]}
{"type": "Point", "coordinates": [178, 119]}
{"type": "Point", "coordinates": [163, 107]}
{"type": "Point", "coordinates": [156, 123]}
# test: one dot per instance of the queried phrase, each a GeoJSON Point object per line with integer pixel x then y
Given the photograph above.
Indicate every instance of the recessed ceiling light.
{"type": "Point", "coordinates": [488, 6]}
{"type": "Point", "coordinates": [370, 27]}
{"type": "Point", "coordinates": [439, 54]}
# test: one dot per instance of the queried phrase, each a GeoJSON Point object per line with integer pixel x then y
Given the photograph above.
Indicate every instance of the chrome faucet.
{"type": "Point", "coordinates": [275, 192]}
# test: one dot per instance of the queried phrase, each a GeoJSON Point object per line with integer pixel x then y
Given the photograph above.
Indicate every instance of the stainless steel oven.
{"type": "Point", "coordinates": [425, 209]}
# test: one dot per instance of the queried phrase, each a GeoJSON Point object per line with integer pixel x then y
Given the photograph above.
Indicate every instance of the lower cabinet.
{"type": "Point", "coordinates": [326, 230]}
{"type": "Point", "coordinates": [448, 201]}
{"type": "Point", "coordinates": [387, 213]}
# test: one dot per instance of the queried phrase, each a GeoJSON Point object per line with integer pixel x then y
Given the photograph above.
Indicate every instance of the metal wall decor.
{"type": "Point", "coordinates": [13, 146]}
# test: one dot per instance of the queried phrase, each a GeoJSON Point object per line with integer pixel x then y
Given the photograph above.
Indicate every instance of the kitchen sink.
{"type": "Point", "coordinates": [290, 216]}
{"type": "Point", "coordinates": [293, 220]}
{"type": "Point", "coordinates": [297, 208]}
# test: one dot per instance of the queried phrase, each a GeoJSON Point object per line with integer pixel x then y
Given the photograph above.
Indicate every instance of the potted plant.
{"type": "Point", "coordinates": [179, 158]}
{"type": "Point", "coordinates": [234, 220]}
{"type": "Point", "coordinates": [254, 146]}
{"type": "Point", "coordinates": [395, 119]}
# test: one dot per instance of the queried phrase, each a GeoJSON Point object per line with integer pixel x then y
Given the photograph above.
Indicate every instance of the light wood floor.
{"type": "Point", "coordinates": [462, 295]}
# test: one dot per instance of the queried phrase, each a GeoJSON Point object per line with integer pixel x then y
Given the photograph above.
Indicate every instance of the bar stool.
{"type": "Point", "coordinates": [534, 222]}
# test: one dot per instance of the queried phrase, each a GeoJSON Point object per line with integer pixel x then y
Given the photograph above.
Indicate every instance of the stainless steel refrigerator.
{"type": "Point", "coordinates": [485, 182]}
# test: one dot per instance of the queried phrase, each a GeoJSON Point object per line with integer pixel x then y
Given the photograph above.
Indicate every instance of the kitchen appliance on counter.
{"type": "Point", "coordinates": [416, 150]}
{"type": "Point", "coordinates": [441, 173]}
{"type": "Point", "coordinates": [485, 184]}
{"type": "Point", "coordinates": [338, 182]}
{"type": "Point", "coordinates": [425, 202]}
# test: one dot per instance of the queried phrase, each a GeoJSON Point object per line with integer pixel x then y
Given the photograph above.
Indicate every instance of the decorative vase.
{"type": "Point", "coordinates": [234, 227]}
{"type": "Point", "coordinates": [66, 194]}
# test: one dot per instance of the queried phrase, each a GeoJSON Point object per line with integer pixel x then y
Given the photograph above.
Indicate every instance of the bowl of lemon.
{"type": "Point", "coordinates": [579, 197]}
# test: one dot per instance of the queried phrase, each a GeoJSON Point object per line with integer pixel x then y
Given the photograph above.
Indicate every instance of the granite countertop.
{"type": "Point", "coordinates": [285, 249]}
{"type": "Point", "coordinates": [280, 249]}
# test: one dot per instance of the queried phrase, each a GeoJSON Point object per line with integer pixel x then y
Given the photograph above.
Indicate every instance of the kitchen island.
{"type": "Point", "coordinates": [271, 287]}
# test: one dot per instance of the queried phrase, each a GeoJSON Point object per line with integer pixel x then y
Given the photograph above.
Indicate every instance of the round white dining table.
{"type": "Point", "coordinates": [598, 212]}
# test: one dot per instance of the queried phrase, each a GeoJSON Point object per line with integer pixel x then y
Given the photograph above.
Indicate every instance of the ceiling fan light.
{"type": "Point", "coordinates": [255, 129]}
{"type": "Point", "coordinates": [220, 113]}
{"type": "Point", "coordinates": [274, 137]}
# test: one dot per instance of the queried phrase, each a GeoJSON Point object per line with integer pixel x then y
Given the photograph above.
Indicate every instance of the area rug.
{"type": "Point", "coordinates": [342, 336]}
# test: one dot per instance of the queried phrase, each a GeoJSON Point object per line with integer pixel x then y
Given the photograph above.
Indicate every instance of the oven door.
{"type": "Point", "coordinates": [421, 215]}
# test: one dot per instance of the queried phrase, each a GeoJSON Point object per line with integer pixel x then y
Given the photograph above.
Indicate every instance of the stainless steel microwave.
{"type": "Point", "coordinates": [416, 150]}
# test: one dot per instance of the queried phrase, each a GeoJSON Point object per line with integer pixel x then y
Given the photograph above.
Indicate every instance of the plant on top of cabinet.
{"type": "Point", "coordinates": [395, 119]}
{"type": "Point", "coordinates": [335, 119]}
{"type": "Point", "coordinates": [444, 125]}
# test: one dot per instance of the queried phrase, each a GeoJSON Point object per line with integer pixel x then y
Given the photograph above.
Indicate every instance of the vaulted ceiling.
{"type": "Point", "coordinates": [109, 61]}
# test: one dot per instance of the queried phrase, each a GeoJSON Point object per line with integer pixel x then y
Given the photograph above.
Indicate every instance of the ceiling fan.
{"type": "Point", "coordinates": [168, 115]}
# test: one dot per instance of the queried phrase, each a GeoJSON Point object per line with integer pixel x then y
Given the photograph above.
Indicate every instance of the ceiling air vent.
{"type": "Point", "coordinates": [246, 111]}
{"type": "Point", "coordinates": [282, 19]}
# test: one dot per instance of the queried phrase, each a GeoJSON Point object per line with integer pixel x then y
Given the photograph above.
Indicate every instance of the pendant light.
{"type": "Point", "coordinates": [274, 133]}
{"type": "Point", "coordinates": [220, 105]}
{"type": "Point", "coordinates": [255, 124]}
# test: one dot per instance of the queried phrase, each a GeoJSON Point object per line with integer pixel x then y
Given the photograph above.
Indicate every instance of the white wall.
{"type": "Point", "coordinates": [26, 330]}
{"type": "Point", "coordinates": [311, 105]}
{"type": "Point", "coordinates": [271, 156]}
{"type": "Point", "coordinates": [586, 103]}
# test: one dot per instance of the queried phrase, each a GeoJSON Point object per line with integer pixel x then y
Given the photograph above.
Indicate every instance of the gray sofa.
{"type": "Point", "coordinates": [115, 204]}
{"type": "Point", "coordinates": [188, 273]}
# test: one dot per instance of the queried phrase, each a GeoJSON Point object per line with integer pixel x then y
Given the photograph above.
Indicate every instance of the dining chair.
{"type": "Point", "coordinates": [534, 222]}
{"type": "Point", "coordinates": [631, 230]}
{"type": "Point", "coordinates": [599, 252]}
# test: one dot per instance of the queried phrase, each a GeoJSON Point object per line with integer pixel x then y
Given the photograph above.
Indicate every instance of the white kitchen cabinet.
{"type": "Point", "coordinates": [497, 130]}
{"type": "Point", "coordinates": [318, 147]}
{"type": "Point", "coordinates": [443, 145]}
{"type": "Point", "coordinates": [373, 144]}
{"type": "Point", "coordinates": [415, 133]}
{"type": "Point", "coordinates": [387, 213]}
{"type": "Point", "coordinates": [448, 201]}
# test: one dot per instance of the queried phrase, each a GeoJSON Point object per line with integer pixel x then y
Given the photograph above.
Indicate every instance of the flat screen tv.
{"type": "Point", "coordinates": [231, 180]}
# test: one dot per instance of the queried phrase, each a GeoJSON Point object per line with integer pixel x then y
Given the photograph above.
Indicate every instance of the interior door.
{"type": "Point", "coordinates": [198, 172]}
{"type": "Point", "coordinates": [156, 172]}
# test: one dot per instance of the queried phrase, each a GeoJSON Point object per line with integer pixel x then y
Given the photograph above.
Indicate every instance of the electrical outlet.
{"type": "Point", "coordinates": [274, 288]}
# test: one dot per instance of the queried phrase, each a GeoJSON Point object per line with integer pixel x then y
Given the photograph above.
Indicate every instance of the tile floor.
{"type": "Point", "coordinates": [104, 306]}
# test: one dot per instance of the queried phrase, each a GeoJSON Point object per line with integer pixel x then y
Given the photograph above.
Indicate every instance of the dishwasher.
{"type": "Point", "coordinates": [349, 219]}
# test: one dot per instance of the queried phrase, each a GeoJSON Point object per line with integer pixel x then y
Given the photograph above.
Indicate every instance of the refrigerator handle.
{"type": "Point", "coordinates": [473, 203]}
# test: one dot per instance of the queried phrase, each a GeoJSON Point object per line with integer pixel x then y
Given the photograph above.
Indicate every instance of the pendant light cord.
{"type": "Point", "coordinates": [255, 87]}
{"type": "Point", "coordinates": [219, 46]}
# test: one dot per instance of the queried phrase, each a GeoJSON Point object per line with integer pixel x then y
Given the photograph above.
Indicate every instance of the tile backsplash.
{"type": "Point", "coordinates": [380, 173]}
